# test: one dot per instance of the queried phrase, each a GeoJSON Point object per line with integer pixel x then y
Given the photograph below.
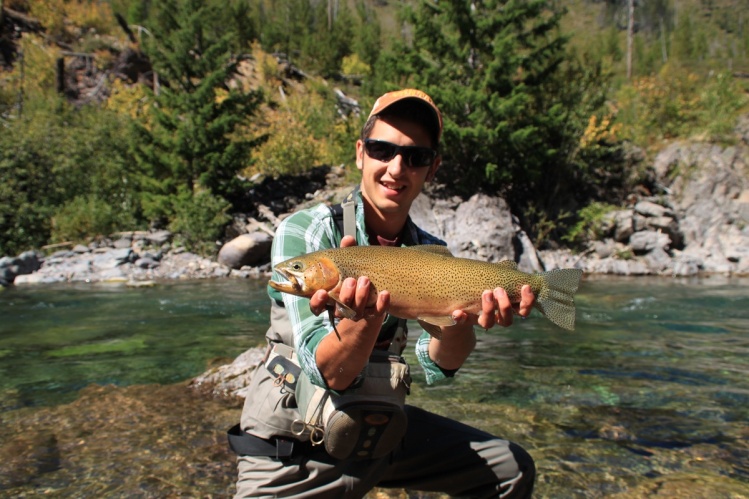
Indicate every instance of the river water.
{"type": "Point", "coordinates": [648, 397]}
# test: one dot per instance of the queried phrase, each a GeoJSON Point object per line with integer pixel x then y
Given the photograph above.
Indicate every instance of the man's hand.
{"type": "Point", "coordinates": [497, 309]}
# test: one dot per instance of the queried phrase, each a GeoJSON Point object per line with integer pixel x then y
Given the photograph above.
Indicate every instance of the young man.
{"type": "Point", "coordinates": [397, 155]}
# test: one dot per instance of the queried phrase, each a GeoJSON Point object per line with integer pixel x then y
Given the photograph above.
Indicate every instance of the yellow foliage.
{"type": "Point", "coordinates": [131, 100]}
{"type": "Point", "coordinates": [603, 132]}
{"type": "Point", "coordinates": [352, 65]}
{"type": "Point", "coordinates": [59, 16]}
{"type": "Point", "coordinates": [290, 148]}
{"type": "Point", "coordinates": [266, 66]}
{"type": "Point", "coordinates": [36, 72]}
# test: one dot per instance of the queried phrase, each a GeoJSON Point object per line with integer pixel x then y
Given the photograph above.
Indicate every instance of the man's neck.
{"type": "Point", "coordinates": [388, 228]}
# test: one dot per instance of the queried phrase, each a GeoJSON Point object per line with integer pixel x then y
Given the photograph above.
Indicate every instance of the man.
{"type": "Point", "coordinates": [397, 155]}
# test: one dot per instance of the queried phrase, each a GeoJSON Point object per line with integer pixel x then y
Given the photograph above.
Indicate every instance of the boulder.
{"type": "Point", "coordinates": [648, 240]}
{"type": "Point", "coordinates": [481, 227]}
{"type": "Point", "coordinates": [245, 249]}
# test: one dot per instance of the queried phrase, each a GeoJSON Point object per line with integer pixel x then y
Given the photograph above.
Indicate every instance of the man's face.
{"type": "Point", "coordinates": [390, 187]}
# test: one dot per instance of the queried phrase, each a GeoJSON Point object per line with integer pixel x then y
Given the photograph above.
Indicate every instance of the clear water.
{"type": "Point", "coordinates": [649, 396]}
{"type": "Point", "coordinates": [55, 340]}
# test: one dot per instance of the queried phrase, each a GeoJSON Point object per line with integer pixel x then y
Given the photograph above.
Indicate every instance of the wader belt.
{"type": "Point", "coordinates": [244, 444]}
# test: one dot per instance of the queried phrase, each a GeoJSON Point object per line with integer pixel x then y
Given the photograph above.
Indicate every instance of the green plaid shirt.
{"type": "Point", "coordinates": [315, 229]}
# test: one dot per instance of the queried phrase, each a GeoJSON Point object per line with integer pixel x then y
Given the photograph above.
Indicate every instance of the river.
{"type": "Point", "coordinates": [649, 396]}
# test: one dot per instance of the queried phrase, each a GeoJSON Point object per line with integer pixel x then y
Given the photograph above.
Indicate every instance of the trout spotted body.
{"type": "Point", "coordinates": [427, 283]}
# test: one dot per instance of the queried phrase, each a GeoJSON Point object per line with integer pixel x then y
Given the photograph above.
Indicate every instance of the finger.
{"type": "Point", "coordinates": [346, 295]}
{"type": "Point", "coordinates": [488, 306]}
{"type": "Point", "coordinates": [504, 307]}
{"type": "Point", "coordinates": [348, 241]}
{"type": "Point", "coordinates": [383, 302]}
{"type": "Point", "coordinates": [527, 300]}
{"type": "Point", "coordinates": [362, 295]}
{"type": "Point", "coordinates": [318, 302]}
{"type": "Point", "coordinates": [459, 316]}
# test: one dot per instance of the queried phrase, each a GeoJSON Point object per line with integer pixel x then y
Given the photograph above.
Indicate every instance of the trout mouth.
{"type": "Point", "coordinates": [292, 286]}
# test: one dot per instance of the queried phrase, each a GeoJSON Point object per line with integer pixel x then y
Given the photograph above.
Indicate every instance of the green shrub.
{"type": "Point", "coordinates": [199, 220]}
{"type": "Point", "coordinates": [589, 224]}
{"type": "Point", "coordinates": [84, 217]}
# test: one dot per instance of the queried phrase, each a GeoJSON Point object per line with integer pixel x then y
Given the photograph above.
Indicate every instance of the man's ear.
{"type": "Point", "coordinates": [433, 169]}
{"type": "Point", "coordinates": [359, 154]}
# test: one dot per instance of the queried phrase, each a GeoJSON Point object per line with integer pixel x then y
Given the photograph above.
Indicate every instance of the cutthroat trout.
{"type": "Point", "coordinates": [427, 283]}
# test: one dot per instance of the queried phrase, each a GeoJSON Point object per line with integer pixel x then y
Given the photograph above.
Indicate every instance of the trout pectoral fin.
{"type": "Point", "coordinates": [432, 325]}
{"type": "Point", "coordinates": [343, 310]}
{"type": "Point", "coordinates": [433, 330]}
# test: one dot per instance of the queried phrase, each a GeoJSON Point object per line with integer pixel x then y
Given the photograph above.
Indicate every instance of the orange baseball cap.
{"type": "Point", "coordinates": [390, 98]}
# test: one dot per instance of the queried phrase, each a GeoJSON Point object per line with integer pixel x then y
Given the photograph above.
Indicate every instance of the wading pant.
{"type": "Point", "coordinates": [438, 455]}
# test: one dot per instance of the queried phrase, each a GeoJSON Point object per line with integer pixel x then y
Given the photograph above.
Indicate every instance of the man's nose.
{"type": "Point", "coordinates": [396, 166]}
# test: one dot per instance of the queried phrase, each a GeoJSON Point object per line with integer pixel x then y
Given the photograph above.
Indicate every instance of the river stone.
{"type": "Point", "coordinates": [650, 209]}
{"type": "Point", "coordinates": [230, 381]}
{"type": "Point", "coordinates": [123, 242]}
{"type": "Point", "coordinates": [245, 249]}
{"type": "Point", "coordinates": [146, 263]}
{"type": "Point", "coordinates": [159, 237]}
{"type": "Point", "coordinates": [648, 240]}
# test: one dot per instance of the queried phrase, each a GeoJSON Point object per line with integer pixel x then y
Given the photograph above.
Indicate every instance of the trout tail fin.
{"type": "Point", "coordinates": [556, 298]}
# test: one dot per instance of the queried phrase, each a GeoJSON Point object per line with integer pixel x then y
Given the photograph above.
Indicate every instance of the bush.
{"type": "Point", "coordinates": [589, 225]}
{"type": "Point", "coordinates": [199, 219]}
{"type": "Point", "coordinates": [85, 217]}
{"type": "Point", "coordinates": [676, 103]}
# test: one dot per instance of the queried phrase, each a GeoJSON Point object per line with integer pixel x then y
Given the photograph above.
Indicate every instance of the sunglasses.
{"type": "Point", "coordinates": [413, 156]}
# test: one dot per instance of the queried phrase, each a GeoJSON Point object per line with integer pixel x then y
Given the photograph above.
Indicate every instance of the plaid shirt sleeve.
{"type": "Point", "coordinates": [304, 232]}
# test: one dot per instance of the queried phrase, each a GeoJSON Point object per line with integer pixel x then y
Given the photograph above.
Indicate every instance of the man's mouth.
{"type": "Point", "coordinates": [392, 187]}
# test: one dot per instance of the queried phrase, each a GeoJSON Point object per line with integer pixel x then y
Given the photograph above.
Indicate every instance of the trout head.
{"type": "Point", "coordinates": [306, 275]}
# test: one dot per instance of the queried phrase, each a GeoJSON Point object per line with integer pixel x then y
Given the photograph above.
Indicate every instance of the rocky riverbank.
{"type": "Point", "coordinates": [697, 223]}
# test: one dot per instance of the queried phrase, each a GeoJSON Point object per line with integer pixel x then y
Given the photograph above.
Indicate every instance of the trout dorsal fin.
{"type": "Point", "coordinates": [507, 264]}
{"type": "Point", "coordinates": [432, 248]}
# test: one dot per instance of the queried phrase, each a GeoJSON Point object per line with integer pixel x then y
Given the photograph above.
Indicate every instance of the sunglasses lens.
{"type": "Point", "coordinates": [412, 156]}
{"type": "Point", "coordinates": [419, 156]}
{"type": "Point", "coordinates": [381, 151]}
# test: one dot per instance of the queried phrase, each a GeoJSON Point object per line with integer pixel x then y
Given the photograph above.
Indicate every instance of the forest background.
{"type": "Point", "coordinates": [549, 104]}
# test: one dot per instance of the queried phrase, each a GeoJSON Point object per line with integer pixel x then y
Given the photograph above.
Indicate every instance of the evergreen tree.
{"type": "Point", "coordinates": [485, 62]}
{"type": "Point", "coordinates": [515, 104]}
{"type": "Point", "coordinates": [191, 146]}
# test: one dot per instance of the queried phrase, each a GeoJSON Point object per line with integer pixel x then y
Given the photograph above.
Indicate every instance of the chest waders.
{"type": "Point", "coordinates": [290, 415]}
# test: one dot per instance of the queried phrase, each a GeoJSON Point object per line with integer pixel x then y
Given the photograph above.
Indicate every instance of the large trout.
{"type": "Point", "coordinates": [427, 283]}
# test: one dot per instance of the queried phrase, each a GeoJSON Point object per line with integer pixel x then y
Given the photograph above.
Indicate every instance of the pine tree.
{"type": "Point", "coordinates": [486, 62]}
{"type": "Point", "coordinates": [190, 147]}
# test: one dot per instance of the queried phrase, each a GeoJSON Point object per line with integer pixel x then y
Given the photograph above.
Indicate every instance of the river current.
{"type": "Point", "coordinates": [649, 396]}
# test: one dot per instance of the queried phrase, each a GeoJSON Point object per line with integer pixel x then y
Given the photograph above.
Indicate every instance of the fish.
{"type": "Point", "coordinates": [426, 283]}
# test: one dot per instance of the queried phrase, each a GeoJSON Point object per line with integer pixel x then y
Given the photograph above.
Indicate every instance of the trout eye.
{"type": "Point", "coordinates": [296, 266]}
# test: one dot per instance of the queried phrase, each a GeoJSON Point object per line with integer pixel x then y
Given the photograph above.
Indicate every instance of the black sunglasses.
{"type": "Point", "coordinates": [413, 156]}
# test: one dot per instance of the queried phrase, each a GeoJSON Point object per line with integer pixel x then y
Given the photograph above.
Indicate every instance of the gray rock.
{"type": "Point", "coordinates": [146, 263]}
{"type": "Point", "coordinates": [650, 209]}
{"type": "Point", "coordinates": [246, 249]}
{"type": "Point", "coordinates": [231, 380]}
{"type": "Point", "coordinates": [658, 261]}
{"type": "Point", "coordinates": [648, 240]}
{"type": "Point", "coordinates": [123, 242]}
{"type": "Point", "coordinates": [159, 237]}
{"type": "Point", "coordinates": [481, 227]}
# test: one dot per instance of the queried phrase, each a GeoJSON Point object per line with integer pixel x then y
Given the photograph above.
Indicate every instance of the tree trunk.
{"type": "Point", "coordinates": [630, 36]}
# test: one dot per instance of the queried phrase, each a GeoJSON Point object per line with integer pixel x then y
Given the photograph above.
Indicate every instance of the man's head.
{"type": "Point", "coordinates": [397, 154]}
{"type": "Point", "coordinates": [408, 103]}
